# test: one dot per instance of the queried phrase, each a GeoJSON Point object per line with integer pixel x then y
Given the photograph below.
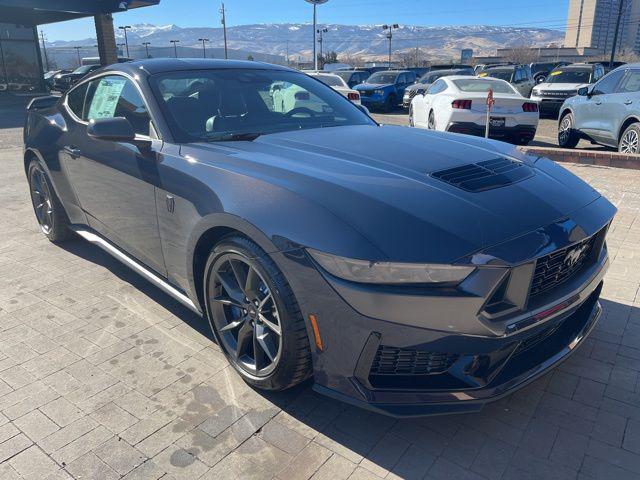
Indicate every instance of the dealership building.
{"type": "Point", "coordinates": [21, 66]}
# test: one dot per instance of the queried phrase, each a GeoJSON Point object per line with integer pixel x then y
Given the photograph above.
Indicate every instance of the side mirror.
{"type": "Point", "coordinates": [583, 92]}
{"type": "Point", "coordinates": [116, 129]}
{"type": "Point", "coordinates": [421, 91]}
{"type": "Point", "coordinates": [363, 109]}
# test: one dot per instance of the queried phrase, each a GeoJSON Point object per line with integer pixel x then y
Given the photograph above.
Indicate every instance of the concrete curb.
{"type": "Point", "coordinates": [587, 157]}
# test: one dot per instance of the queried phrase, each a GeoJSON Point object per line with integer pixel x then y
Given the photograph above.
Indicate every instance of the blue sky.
{"type": "Point", "coordinates": [198, 13]}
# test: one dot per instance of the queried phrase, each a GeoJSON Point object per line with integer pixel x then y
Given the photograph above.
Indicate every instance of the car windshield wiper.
{"type": "Point", "coordinates": [236, 137]}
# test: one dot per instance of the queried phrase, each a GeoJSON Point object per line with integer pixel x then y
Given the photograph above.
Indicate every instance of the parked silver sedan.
{"type": "Point", "coordinates": [607, 112]}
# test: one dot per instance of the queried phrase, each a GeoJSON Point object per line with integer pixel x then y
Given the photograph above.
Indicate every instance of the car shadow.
{"type": "Point", "coordinates": [489, 439]}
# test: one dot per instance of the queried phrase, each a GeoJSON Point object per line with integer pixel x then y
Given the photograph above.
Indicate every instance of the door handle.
{"type": "Point", "coordinates": [628, 102]}
{"type": "Point", "coordinates": [72, 151]}
{"type": "Point", "coordinates": [598, 103]}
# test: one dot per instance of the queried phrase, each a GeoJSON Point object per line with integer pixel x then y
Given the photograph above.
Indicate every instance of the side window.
{"type": "Point", "coordinates": [437, 87]}
{"type": "Point", "coordinates": [517, 75]}
{"type": "Point", "coordinates": [116, 96]}
{"type": "Point", "coordinates": [76, 100]}
{"type": "Point", "coordinates": [402, 79]}
{"type": "Point", "coordinates": [630, 83]}
{"type": "Point", "coordinates": [609, 83]}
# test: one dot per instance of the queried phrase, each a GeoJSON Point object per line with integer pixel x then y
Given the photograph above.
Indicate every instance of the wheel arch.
{"type": "Point", "coordinates": [563, 112]}
{"type": "Point", "coordinates": [209, 232]}
{"type": "Point", "coordinates": [627, 122]}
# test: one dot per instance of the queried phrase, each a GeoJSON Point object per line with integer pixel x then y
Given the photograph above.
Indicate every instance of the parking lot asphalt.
{"type": "Point", "coordinates": [103, 376]}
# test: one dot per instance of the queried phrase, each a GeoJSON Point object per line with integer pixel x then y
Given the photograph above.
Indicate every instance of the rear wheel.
{"type": "Point", "coordinates": [255, 317]}
{"type": "Point", "coordinates": [50, 214]}
{"type": "Point", "coordinates": [567, 136]}
{"type": "Point", "coordinates": [630, 140]}
{"type": "Point", "coordinates": [432, 121]}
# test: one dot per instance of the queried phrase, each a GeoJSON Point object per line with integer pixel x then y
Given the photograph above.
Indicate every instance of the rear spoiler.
{"type": "Point", "coordinates": [39, 103]}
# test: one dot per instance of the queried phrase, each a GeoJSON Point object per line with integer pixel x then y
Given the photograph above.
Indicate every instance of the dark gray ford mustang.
{"type": "Point", "coordinates": [406, 271]}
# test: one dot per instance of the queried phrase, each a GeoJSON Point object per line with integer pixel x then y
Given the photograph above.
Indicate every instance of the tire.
{"type": "Point", "coordinates": [567, 136]}
{"type": "Point", "coordinates": [390, 103]}
{"type": "Point", "coordinates": [630, 140]}
{"type": "Point", "coordinates": [431, 125]}
{"type": "Point", "coordinates": [264, 304]}
{"type": "Point", "coordinates": [50, 214]}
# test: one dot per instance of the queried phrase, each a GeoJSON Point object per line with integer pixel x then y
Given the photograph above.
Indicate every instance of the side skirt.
{"type": "Point", "coordinates": [136, 266]}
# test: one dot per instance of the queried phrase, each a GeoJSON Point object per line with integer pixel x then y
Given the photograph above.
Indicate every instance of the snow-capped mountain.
{"type": "Point", "coordinates": [365, 40]}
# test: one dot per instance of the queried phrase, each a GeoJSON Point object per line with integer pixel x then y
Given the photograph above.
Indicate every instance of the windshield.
{"type": "Point", "coordinates": [84, 69]}
{"type": "Point", "coordinates": [382, 78]}
{"type": "Point", "coordinates": [346, 76]}
{"type": "Point", "coordinates": [482, 85]}
{"type": "Point", "coordinates": [211, 105]}
{"type": "Point", "coordinates": [331, 80]}
{"type": "Point", "coordinates": [570, 76]}
{"type": "Point", "coordinates": [501, 74]}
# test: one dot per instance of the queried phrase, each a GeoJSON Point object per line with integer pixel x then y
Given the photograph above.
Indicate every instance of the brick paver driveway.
{"type": "Point", "coordinates": [103, 376]}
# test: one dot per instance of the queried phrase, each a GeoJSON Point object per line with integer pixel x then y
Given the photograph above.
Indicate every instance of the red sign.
{"type": "Point", "coordinates": [490, 100]}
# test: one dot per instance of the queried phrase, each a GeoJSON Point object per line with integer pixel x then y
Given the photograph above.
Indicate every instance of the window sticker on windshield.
{"type": "Point", "coordinates": [106, 98]}
{"type": "Point", "coordinates": [557, 72]}
{"type": "Point", "coordinates": [483, 74]}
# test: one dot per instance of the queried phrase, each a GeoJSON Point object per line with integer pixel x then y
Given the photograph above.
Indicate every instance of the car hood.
{"type": "Point", "coordinates": [416, 86]}
{"type": "Point", "coordinates": [373, 86]}
{"type": "Point", "coordinates": [561, 86]}
{"type": "Point", "coordinates": [378, 180]}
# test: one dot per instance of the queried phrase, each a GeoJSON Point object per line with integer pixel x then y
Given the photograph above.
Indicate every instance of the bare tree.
{"type": "Point", "coordinates": [412, 58]}
{"type": "Point", "coordinates": [353, 60]}
{"type": "Point", "coordinates": [523, 54]}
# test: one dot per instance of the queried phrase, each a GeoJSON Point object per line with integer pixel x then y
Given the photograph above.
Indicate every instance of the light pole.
{"type": "Point", "coordinates": [390, 29]}
{"type": "Point", "coordinates": [78, 54]}
{"type": "Point", "coordinates": [146, 48]}
{"type": "Point", "coordinates": [223, 20]}
{"type": "Point", "coordinates": [175, 47]}
{"type": "Point", "coordinates": [204, 49]}
{"type": "Point", "coordinates": [315, 3]}
{"type": "Point", "coordinates": [126, 40]}
{"type": "Point", "coordinates": [320, 31]}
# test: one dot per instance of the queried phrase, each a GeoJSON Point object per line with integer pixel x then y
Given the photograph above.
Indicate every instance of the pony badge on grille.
{"type": "Point", "coordinates": [574, 256]}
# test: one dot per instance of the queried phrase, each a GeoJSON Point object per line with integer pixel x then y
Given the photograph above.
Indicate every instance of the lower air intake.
{"type": "Point", "coordinates": [396, 361]}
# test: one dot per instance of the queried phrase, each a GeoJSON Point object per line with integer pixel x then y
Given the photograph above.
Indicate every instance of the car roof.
{"type": "Point", "coordinates": [394, 71]}
{"type": "Point", "coordinates": [160, 65]}
{"type": "Point", "coordinates": [501, 67]}
{"type": "Point", "coordinates": [579, 66]}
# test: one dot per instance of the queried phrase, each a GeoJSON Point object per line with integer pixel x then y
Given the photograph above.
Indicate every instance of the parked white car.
{"type": "Point", "coordinates": [459, 104]}
{"type": "Point", "coordinates": [338, 84]}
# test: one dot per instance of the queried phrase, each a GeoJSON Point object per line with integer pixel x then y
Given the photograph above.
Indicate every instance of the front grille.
{"type": "Point", "coordinates": [559, 266]}
{"type": "Point", "coordinates": [481, 176]}
{"type": "Point", "coordinates": [557, 93]}
{"type": "Point", "coordinates": [396, 361]}
{"type": "Point", "coordinates": [411, 93]}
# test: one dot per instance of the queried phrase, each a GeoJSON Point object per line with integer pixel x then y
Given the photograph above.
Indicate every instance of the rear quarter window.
{"type": "Point", "coordinates": [76, 99]}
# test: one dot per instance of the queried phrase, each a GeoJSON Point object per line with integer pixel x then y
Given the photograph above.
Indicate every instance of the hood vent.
{"type": "Point", "coordinates": [487, 175]}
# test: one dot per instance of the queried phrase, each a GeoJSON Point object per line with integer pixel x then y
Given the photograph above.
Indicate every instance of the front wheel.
{"type": "Point", "coordinates": [630, 140]}
{"type": "Point", "coordinates": [389, 104]}
{"type": "Point", "coordinates": [567, 136]}
{"type": "Point", "coordinates": [255, 317]}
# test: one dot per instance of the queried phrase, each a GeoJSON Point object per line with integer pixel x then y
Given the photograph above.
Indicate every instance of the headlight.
{"type": "Point", "coordinates": [378, 92]}
{"type": "Point", "coordinates": [364, 271]}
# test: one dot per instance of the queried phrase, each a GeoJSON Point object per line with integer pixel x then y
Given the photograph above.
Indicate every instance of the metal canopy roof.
{"type": "Point", "coordinates": [38, 12]}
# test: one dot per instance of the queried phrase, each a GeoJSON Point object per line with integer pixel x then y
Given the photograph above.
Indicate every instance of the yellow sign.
{"type": "Point", "coordinates": [557, 72]}
{"type": "Point", "coordinates": [483, 74]}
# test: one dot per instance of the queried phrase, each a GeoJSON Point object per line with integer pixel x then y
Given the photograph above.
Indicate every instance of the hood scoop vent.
{"type": "Point", "coordinates": [487, 175]}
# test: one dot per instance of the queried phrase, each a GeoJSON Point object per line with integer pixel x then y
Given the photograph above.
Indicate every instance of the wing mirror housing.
{"type": "Point", "coordinates": [584, 92]}
{"type": "Point", "coordinates": [116, 129]}
{"type": "Point", "coordinates": [421, 91]}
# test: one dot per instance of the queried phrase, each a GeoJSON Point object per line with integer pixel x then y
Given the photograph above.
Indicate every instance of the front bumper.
{"type": "Point", "coordinates": [506, 132]}
{"type": "Point", "coordinates": [461, 353]}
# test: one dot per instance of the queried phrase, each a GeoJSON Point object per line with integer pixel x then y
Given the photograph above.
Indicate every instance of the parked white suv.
{"type": "Point", "coordinates": [564, 82]}
{"type": "Point", "coordinates": [607, 113]}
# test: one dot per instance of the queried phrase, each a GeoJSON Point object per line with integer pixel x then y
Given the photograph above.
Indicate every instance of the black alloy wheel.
{"type": "Point", "coordinates": [254, 316]}
{"type": "Point", "coordinates": [50, 213]}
